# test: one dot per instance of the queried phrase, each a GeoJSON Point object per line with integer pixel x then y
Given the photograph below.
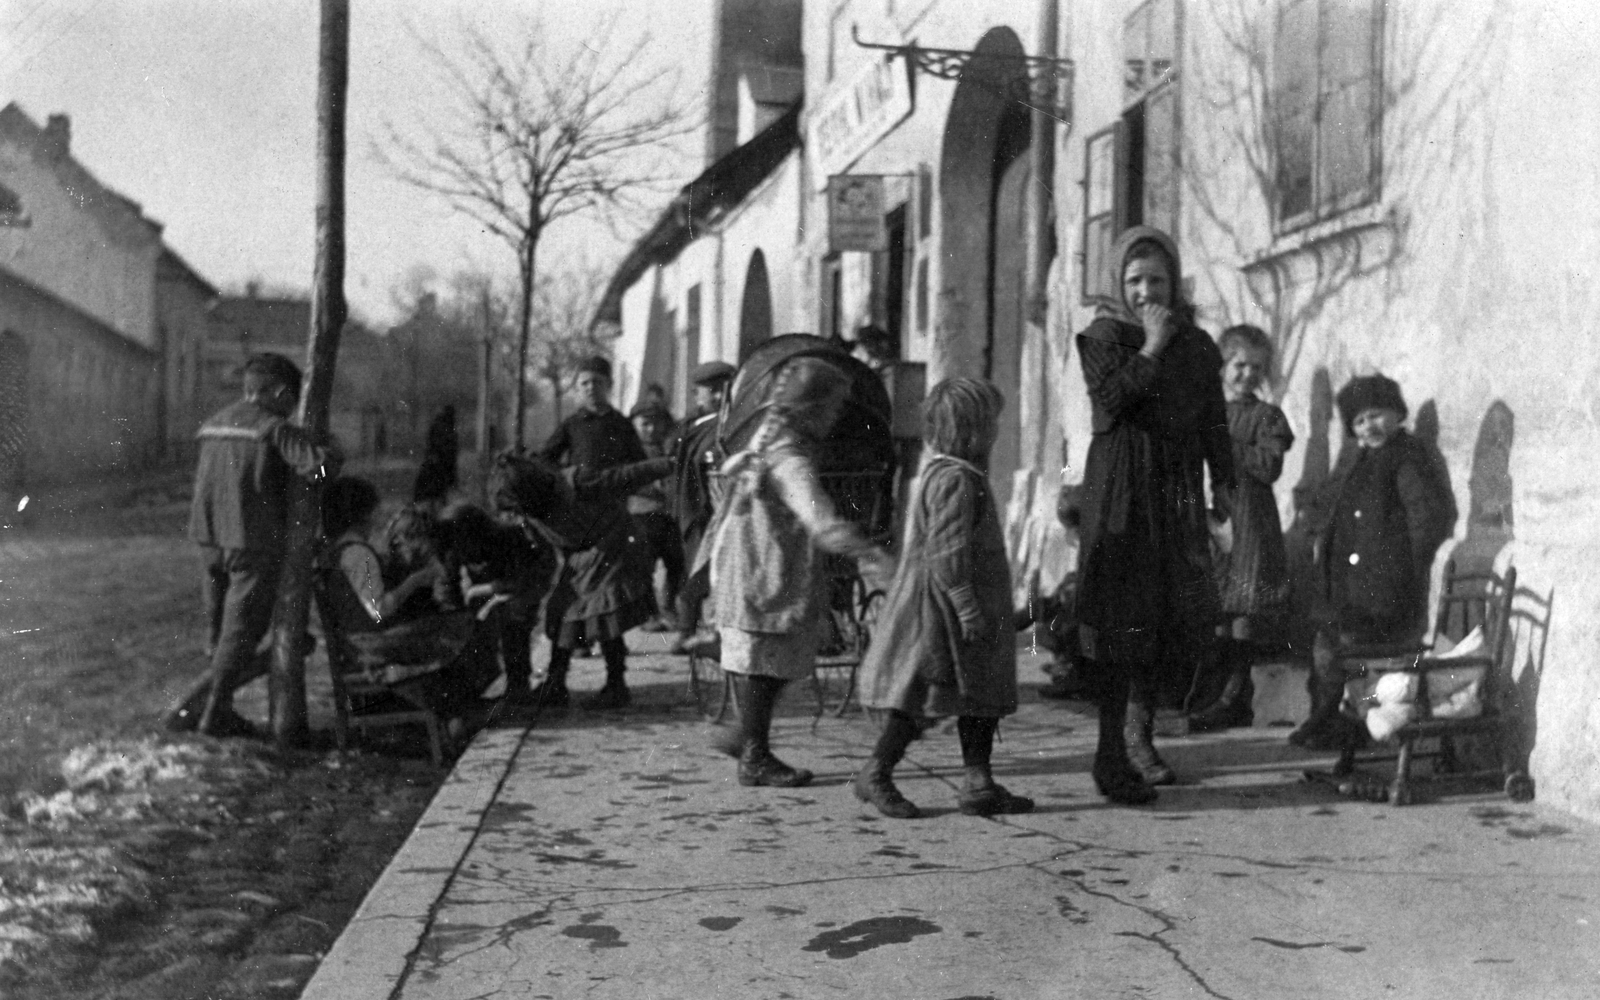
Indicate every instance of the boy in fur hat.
{"type": "Point", "coordinates": [1383, 514]}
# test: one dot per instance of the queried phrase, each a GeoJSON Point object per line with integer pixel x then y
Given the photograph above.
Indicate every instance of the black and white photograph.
{"type": "Point", "coordinates": [785, 499]}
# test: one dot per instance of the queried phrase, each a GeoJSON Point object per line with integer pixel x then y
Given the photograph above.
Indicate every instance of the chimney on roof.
{"type": "Point", "coordinates": [58, 136]}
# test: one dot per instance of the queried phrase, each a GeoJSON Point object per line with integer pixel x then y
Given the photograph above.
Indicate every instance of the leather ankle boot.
{"type": "Point", "coordinates": [875, 786]}
{"type": "Point", "coordinates": [1231, 708]}
{"type": "Point", "coordinates": [759, 766]}
{"type": "Point", "coordinates": [1137, 735]}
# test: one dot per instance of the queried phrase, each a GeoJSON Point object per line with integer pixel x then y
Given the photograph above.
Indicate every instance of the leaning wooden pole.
{"type": "Point", "coordinates": [327, 320]}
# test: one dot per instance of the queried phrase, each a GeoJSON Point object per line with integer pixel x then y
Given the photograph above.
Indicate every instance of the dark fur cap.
{"type": "Point", "coordinates": [1369, 392]}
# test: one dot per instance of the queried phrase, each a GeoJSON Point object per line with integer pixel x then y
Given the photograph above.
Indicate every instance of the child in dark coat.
{"type": "Point", "coordinates": [1382, 516]}
{"type": "Point", "coordinates": [602, 588]}
{"type": "Point", "coordinates": [504, 573]}
{"type": "Point", "coordinates": [945, 642]}
{"type": "Point", "coordinates": [1253, 575]}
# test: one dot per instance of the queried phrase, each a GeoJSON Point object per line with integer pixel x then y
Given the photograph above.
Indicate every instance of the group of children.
{"type": "Point", "coordinates": [1161, 570]}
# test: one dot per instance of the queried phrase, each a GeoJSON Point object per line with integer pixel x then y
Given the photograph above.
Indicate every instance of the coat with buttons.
{"type": "Point", "coordinates": [1384, 514]}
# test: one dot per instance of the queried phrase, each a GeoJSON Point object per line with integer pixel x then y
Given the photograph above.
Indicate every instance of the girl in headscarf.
{"type": "Point", "coordinates": [768, 588]}
{"type": "Point", "coordinates": [945, 642]}
{"type": "Point", "coordinates": [1145, 591]}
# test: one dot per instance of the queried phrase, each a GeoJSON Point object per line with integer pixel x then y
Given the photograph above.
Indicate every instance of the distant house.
{"type": "Point", "coordinates": [80, 348]}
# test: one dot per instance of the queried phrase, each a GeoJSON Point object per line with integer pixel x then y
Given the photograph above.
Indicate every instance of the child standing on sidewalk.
{"type": "Point", "coordinates": [945, 644]}
{"type": "Point", "coordinates": [1383, 515]}
{"type": "Point", "coordinates": [766, 549]}
{"type": "Point", "coordinates": [1253, 576]}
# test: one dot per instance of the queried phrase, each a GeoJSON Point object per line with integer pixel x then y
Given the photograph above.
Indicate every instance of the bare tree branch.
{"type": "Point", "coordinates": [541, 136]}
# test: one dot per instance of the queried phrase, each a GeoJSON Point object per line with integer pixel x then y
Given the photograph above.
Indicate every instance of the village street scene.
{"type": "Point", "coordinates": [941, 500]}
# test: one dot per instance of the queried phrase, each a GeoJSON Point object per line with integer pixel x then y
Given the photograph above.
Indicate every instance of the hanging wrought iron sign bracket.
{"type": "Point", "coordinates": [1041, 84]}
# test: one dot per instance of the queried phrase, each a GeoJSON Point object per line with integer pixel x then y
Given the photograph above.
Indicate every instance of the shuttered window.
{"type": "Point", "coordinates": [1326, 84]}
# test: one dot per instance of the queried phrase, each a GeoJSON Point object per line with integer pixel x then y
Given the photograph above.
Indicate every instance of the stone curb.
{"type": "Point", "coordinates": [370, 959]}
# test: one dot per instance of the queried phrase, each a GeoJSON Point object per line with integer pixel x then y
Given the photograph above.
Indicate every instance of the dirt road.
{"type": "Point", "coordinates": [133, 865]}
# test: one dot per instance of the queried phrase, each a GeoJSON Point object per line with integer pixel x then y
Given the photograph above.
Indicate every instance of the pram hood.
{"type": "Point", "coordinates": [859, 441]}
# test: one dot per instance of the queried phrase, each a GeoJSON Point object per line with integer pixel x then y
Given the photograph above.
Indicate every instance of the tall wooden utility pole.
{"type": "Point", "coordinates": [328, 313]}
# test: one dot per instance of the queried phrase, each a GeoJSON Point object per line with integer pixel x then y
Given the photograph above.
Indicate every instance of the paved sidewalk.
{"type": "Point", "coordinates": [615, 856]}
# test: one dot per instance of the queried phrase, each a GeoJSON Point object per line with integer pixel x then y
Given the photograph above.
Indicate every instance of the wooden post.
{"type": "Point", "coordinates": [485, 376]}
{"type": "Point", "coordinates": [328, 311]}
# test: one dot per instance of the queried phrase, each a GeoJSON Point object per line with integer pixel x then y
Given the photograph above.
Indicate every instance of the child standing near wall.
{"type": "Point", "coordinates": [945, 644]}
{"type": "Point", "coordinates": [1253, 575]}
{"type": "Point", "coordinates": [1383, 515]}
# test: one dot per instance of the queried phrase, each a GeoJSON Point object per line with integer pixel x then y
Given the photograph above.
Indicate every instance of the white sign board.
{"type": "Point", "coordinates": [855, 214]}
{"type": "Point", "coordinates": [856, 114]}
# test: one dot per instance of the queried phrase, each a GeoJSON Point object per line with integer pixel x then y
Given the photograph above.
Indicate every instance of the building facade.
{"type": "Point", "coordinates": [80, 349]}
{"type": "Point", "coordinates": [1382, 187]}
{"type": "Point", "coordinates": [183, 325]}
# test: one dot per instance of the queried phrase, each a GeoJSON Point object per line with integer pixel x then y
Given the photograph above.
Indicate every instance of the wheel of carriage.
{"type": "Point", "coordinates": [710, 690]}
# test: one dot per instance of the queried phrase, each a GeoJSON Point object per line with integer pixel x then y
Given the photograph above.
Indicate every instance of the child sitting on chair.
{"type": "Point", "coordinates": [368, 612]}
{"type": "Point", "coordinates": [1383, 514]}
{"type": "Point", "coordinates": [945, 643]}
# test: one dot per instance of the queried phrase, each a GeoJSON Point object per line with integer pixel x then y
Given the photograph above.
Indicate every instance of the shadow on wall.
{"type": "Point", "coordinates": [1491, 528]}
{"type": "Point", "coordinates": [1298, 538]}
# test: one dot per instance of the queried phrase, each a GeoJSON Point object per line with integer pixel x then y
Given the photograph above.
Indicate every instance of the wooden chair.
{"type": "Point", "coordinates": [377, 698]}
{"type": "Point", "coordinates": [1467, 601]}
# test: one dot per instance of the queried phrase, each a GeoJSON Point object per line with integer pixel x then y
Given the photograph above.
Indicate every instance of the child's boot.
{"type": "Point", "coordinates": [1232, 705]}
{"type": "Point", "coordinates": [1138, 735]}
{"type": "Point", "coordinates": [1114, 776]}
{"type": "Point", "coordinates": [552, 691]}
{"type": "Point", "coordinates": [980, 794]}
{"type": "Point", "coordinates": [615, 693]}
{"type": "Point", "coordinates": [874, 782]}
{"type": "Point", "coordinates": [1320, 730]}
{"type": "Point", "coordinates": [757, 763]}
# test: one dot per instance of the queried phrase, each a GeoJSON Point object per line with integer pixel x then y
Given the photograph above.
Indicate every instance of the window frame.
{"type": "Point", "coordinates": [1115, 138]}
{"type": "Point", "coordinates": [1121, 136]}
{"type": "Point", "coordinates": [1320, 206]}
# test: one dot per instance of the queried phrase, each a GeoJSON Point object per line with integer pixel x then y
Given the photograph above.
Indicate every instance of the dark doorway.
{"type": "Point", "coordinates": [755, 310]}
{"type": "Point", "coordinates": [983, 180]}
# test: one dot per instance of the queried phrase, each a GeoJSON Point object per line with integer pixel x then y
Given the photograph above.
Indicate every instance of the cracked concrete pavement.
{"type": "Point", "coordinates": [614, 855]}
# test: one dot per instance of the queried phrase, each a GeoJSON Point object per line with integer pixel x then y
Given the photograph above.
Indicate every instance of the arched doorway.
{"type": "Point", "coordinates": [755, 311]}
{"type": "Point", "coordinates": [13, 419]}
{"type": "Point", "coordinates": [983, 179]}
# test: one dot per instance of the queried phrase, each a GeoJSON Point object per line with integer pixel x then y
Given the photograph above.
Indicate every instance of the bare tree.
{"type": "Point", "coordinates": [542, 136]}
{"type": "Point", "coordinates": [564, 303]}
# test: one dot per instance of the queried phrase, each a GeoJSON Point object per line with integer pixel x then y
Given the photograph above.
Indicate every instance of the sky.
{"type": "Point", "coordinates": [203, 111]}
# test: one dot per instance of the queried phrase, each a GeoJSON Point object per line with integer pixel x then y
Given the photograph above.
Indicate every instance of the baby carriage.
{"type": "Point", "coordinates": [856, 466]}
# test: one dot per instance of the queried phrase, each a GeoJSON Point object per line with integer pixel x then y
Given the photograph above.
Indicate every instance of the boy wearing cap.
{"type": "Point", "coordinates": [596, 436]}
{"type": "Point", "coordinates": [1383, 514]}
{"type": "Point", "coordinates": [651, 512]}
{"type": "Point", "coordinates": [248, 451]}
{"type": "Point", "coordinates": [696, 453]}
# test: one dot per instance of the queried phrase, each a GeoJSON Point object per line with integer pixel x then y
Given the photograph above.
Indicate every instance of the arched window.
{"type": "Point", "coordinates": [755, 312]}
